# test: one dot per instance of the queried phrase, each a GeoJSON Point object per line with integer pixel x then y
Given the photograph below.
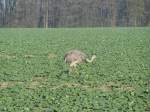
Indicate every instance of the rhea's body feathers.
{"type": "Point", "coordinates": [75, 57]}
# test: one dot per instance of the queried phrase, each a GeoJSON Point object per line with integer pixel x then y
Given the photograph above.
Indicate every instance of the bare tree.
{"type": "Point", "coordinates": [74, 13]}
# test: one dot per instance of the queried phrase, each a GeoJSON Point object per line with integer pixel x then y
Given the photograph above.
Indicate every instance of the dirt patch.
{"type": "Point", "coordinates": [104, 88]}
{"type": "Point", "coordinates": [40, 81]}
{"type": "Point", "coordinates": [33, 85]}
{"type": "Point", "coordinates": [51, 55]}
{"type": "Point", "coordinates": [127, 88]}
{"type": "Point", "coordinates": [7, 56]}
{"type": "Point", "coordinates": [36, 82]}
{"type": "Point", "coordinates": [4, 85]}
{"type": "Point", "coordinates": [29, 56]}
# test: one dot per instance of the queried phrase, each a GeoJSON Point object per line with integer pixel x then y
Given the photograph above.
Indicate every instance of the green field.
{"type": "Point", "coordinates": [35, 78]}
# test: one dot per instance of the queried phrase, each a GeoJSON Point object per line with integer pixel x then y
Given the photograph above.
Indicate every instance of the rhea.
{"type": "Point", "coordinates": [75, 57]}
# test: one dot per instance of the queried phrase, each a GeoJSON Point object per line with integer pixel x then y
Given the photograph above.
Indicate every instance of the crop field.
{"type": "Point", "coordinates": [35, 78]}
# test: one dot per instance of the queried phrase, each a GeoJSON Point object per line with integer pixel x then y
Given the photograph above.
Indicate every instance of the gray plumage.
{"type": "Point", "coordinates": [74, 57]}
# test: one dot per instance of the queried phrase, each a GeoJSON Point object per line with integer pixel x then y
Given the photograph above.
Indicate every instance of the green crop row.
{"type": "Point", "coordinates": [35, 78]}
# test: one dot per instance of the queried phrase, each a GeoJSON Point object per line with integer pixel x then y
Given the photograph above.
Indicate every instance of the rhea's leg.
{"type": "Point", "coordinates": [73, 66]}
{"type": "Point", "coordinates": [71, 69]}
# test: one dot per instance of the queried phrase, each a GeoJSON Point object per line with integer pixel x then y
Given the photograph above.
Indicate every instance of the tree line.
{"type": "Point", "coordinates": [74, 13]}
